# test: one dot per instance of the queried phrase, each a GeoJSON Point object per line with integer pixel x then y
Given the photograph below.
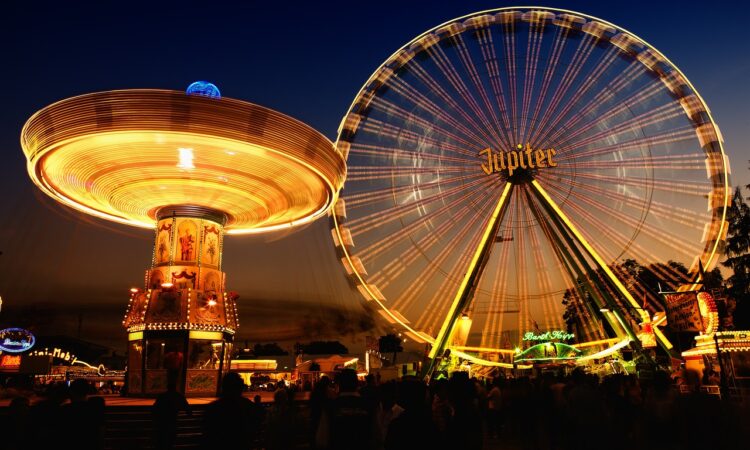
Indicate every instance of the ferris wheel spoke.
{"type": "Point", "coordinates": [437, 306]}
{"type": "Point", "coordinates": [577, 124]}
{"type": "Point", "coordinates": [656, 116]}
{"type": "Point", "coordinates": [600, 117]}
{"type": "Point", "coordinates": [420, 100]}
{"type": "Point", "coordinates": [443, 94]}
{"type": "Point", "coordinates": [402, 155]}
{"type": "Point", "coordinates": [614, 88]}
{"type": "Point", "coordinates": [638, 250]}
{"type": "Point", "coordinates": [466, 287]}
{"type": "Point", "coordinates": [464, 201]}
{"type": "Point", "coordinates": [539, 267]}
{"type": "Point", "coordinates": [509, 47]}
{"type": "Point", "coordinates": [434, 264]}
{"type": "Point", "coordinates": [390, 108]}
{"type": "Point", "coordinates": [590, 80]}
{"type": "Point", "coordinates": [667, 211]}
{"type": "Point", "coordinates": [470, 68]}
{"type": "Point", "coordinates": [683, 162]}
{"type": "Point", "coordinates": [362, 200]}
{"type": "Point", "coordinates": [663, 236]}
{"type": "Point", "coordinates": [536, 29]}
{"type": "Point", "coordinates": [490, 58]}
{"type": "Point", "coordinates": [456, 81]}
{"type": "Point", "coordinates": [552, 64]}
{"type": "Point", "coordinates": [387, 215]}
{"type": "Point", "coordinates": [399, 134]}
{"type": "Point", "coordinates": [683, 187]}
{"type": "Point", "coordinates": [580, 57]}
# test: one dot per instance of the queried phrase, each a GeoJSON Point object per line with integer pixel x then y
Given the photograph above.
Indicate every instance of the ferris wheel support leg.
{"type": "Point", "coordinates": [468, 284]}
{"type": "Point", "coordinates": [572, 261]}
{"type": "Point", "coordinates": [603, 266]}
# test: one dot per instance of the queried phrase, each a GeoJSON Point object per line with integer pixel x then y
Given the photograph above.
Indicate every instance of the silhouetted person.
{"type": "Point", "coordinates": [413, 428]}
{"type": "Point", "coordinates": [165, 411]}
{"type": "Point", "coordinates": [281, 422]}
{"type": "Point", "coordinates": [19, 421]}
{"type": "Point", "coordinates": [230, 419]}
{"type": "Point", "coordinates": [48, 412]}
{"type": "Point", "coordinates": [465, 427]}
{"type": "Point", "coordinates": [494, 408]}
{"type": "Point", "coordinates": [318, 401]}
{"type": "Point", "coordinates": [348, 421]}
{"type": "Point", "coordinates": [84, 416]}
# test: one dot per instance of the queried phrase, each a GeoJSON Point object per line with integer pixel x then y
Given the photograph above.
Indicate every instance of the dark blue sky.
{"type": "Point", "coordinates": [306, 59]}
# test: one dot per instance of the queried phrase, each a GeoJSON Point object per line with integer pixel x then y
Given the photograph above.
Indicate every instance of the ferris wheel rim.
{"type": "Point", "coordinates": [709, 255]}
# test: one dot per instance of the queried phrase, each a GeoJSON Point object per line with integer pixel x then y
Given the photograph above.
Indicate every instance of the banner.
{"type": "Point", "coordinates": [683, 313]}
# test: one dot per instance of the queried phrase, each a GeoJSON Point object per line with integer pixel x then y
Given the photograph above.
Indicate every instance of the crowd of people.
{"type": "Point", "coordinates": [578, 411]}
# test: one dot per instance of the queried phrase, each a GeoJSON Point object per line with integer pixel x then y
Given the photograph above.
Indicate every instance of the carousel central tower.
{"type": "Point", "coordinates": [194, 167]}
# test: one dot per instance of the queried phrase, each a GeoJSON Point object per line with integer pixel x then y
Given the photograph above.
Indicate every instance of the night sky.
{"type": "Point", "coordinates": [63, 272]}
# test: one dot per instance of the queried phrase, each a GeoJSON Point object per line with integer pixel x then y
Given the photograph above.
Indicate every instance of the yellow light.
{"type": "Point", "coordinates": [134, 290]}
{"type": "Point", "coordinates": [138, 335]}
{"type": "Point", "coordinates": [186, 158]}
{"type": "Point", "coordinates": [484, 362]}
{"type": "Point", "coordinates": [467, 348]}
{"type": "Point", "coordinates": [447, 326]}
{"type": "Point", "coordinates": [604, 353]}
{"type": "Point", "coordinates": [210, 335]}
{"type": "Point", "coordinates": [593, 343]}
{"type": "Point", "coordinates": [167, 285]}
{"type": "Point", "coordinates": [280, 173]}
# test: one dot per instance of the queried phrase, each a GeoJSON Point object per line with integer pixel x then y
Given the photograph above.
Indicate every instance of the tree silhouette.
{"type": "Point", "coordinates": [270, 349]}
{"type": "Point", "coordinates": [738, 257]}
{"type": "Point", "coordinates": [324, 348]}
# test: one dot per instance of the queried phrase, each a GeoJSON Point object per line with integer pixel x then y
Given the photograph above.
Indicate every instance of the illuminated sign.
{"type": "Point", "coordinates": [56, 353]}
{"type": "Point", "coordinates": [10, 362]}
{"type": "Point", "coordinates": [16, 340]}
{"type": "Point", "coordinates": [512, 160]}
{"type": "Point", "coordinates": [548, 336]}
{"type": "Point", "coordinates": [548, 352]}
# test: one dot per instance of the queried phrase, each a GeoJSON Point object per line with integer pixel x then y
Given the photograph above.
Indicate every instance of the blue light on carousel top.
{"type": "Point", "coordinates": [203, 88]}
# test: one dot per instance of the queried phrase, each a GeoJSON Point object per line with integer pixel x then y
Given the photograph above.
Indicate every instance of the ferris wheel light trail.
{"type": "Point", "coordinates": [448, 327]}
{"type": "Point", "coordinates": [638, 158]}
{"type": "Point", "coordinates": [476, 360]}
{"type": "Point", "coordinates": [595, 255]}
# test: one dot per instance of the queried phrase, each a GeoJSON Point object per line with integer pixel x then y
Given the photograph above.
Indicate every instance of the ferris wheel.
{"type": "Point", "coordinates": [503, 165]}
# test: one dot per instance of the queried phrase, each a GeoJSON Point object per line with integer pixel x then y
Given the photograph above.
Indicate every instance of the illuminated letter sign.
{"type": "Point", "coordinates": [511, 160]}
{"type": "Point", "coordinates": [548, 336]}
{"type": "Point", "coordinates": [16, 340]}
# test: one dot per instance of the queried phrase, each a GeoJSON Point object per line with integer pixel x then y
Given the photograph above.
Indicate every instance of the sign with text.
{"type": "Point", "coordinates": [16, 340]}
{"type": "Point", "coordinates": [683, 313]}
{"type": "Point", "coordinates": [548, 336]}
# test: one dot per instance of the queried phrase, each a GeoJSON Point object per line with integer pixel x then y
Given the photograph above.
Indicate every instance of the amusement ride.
{"type": "Point", "coordinates": [193, 166]}
{"type": "Point", "coordinates": [503, 167]}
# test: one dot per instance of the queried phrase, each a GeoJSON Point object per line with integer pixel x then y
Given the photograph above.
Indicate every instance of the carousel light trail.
{"type": "Point", "coordinates": [191, 167]}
